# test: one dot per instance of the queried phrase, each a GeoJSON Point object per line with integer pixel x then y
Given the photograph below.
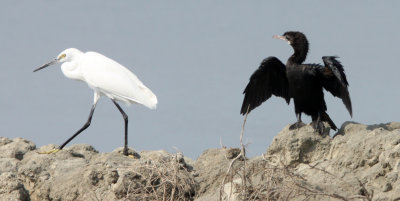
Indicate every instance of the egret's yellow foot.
{"type": "Point", "coordinates": [50, 152]}
{"type": "Point", "coordinates": [131, 156]}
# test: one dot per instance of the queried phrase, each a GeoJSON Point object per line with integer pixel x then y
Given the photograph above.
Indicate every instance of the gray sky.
{"type": "Point", "coordinates": [197, 57]}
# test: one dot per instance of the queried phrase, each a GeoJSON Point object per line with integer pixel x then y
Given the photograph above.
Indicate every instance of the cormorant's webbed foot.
{"type": "Point", "coordinates": [296, 125]}
{"type": "Point", "coordinates": [318, 126]}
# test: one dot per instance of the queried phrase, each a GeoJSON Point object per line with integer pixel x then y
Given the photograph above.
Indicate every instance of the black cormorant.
{"type": "Point", "coordinates": [302, 82]}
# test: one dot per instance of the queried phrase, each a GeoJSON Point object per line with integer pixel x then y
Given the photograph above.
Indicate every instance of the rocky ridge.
{"type": "Point", "coordinates": [361, 162]}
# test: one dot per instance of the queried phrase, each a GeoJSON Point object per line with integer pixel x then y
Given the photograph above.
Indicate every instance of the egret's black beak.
{"type": "Point", "coordinates": [48, 64]}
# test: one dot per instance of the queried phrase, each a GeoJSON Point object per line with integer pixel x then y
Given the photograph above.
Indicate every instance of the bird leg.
{"type": "Point", "coordinates": [318, 125]}
{"type": "Point", "coordinates": [85, 126]}
{"type": "Point", "coordinates": [298, 124]}
{"type": "Point", "coordinates": [125, 152]}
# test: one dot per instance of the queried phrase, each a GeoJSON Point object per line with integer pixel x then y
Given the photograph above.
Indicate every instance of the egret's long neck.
{"type": "Point", "coordinates": [71, 70]}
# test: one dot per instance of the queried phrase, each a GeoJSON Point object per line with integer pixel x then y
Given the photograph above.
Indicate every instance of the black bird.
{"type": "Point", "coordinates": [302, 82]}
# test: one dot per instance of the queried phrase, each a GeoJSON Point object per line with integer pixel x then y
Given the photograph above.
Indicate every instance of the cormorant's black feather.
{"type": "Point", "coordinates": [269, 79]}
{"type": "Point", "coordinates": [334, 80]}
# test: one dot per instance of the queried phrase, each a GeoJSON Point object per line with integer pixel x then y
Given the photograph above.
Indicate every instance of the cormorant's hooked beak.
{"type": "Point", "coordinates": [282, 38]}
{"type": "Point", "coordinates": [46, 65]}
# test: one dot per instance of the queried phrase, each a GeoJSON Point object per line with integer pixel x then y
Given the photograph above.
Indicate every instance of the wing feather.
{"type": "Point", "coordinates": [116, 81]}
{"type": "Point", "coordinates": [334, 80]}
{"type": "Point", "coordinates": [269, 79]}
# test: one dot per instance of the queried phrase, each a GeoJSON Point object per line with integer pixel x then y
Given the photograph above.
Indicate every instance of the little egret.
{"type": "Point", "coordinates": [107, 78]}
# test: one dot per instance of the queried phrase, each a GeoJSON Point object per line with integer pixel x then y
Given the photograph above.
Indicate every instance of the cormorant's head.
{"type": "Point", "coordinates": [294, 38]}
{"type": "Point", "coordinates": [299, 43]}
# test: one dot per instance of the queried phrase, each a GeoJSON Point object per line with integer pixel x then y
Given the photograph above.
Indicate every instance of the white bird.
{"type": "Point", "coordinates": [107, 78]}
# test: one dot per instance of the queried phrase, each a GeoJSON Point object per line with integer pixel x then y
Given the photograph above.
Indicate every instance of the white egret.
{"type": "Point", "coordinates": [107, 78]}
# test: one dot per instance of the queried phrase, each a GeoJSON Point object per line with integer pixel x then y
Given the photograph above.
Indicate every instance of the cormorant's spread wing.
{"type": "Point", "coordinates": [334, 80]}
{"type": "Point", "coordinates": [269, 79]}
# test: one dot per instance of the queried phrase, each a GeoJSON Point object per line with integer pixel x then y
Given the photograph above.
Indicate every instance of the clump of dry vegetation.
{"type": "Point", "coordinates": [166, 180]}
{"type": "Point", "coordinates": [263, 180]}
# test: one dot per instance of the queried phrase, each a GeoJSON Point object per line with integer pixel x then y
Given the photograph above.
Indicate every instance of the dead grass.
{"type": "Point", "coordinates": [267, 181]}
{"type": "Point", "coordinates": [164, 180]}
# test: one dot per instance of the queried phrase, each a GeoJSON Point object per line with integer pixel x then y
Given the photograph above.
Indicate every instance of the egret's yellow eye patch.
{"type": "Point", "coordinates": [62, 56]}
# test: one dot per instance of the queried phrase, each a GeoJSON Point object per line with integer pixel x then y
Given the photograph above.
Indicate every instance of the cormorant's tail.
{"type": "Point", "coordinates": [325, 117]}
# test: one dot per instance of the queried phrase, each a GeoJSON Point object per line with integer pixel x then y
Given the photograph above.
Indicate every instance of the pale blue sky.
{"type": "Point", "coordinates": [197, 57]}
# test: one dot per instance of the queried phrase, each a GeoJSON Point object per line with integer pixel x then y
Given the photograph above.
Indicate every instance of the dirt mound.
{"type": "Point", "coordinates": [362, 162]}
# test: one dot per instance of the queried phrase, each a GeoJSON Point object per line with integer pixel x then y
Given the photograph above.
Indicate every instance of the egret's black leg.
{"type": "Point", "coordinates": [125, 152]}
{"type": "Point", "coordinates": [87, 124]}
{"type": "Point", "coordinates": [318, 125]}
{"type": "Point", "coordinates": [298, 124]}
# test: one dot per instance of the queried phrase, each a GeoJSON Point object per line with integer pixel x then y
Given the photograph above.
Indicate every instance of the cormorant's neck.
{"type": "Point", "coordinates": [300, 53]}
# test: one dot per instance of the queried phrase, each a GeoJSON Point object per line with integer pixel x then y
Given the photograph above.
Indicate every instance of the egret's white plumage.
{"type": "Point", "coordinates": [107, 78]}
